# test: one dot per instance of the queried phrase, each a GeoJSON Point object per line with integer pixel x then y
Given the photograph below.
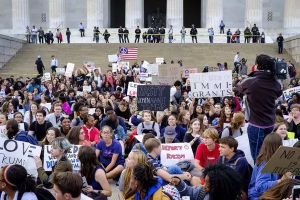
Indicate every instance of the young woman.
{"type": "Point", "coordinates": [110, 152]}
{"type": "Point", "coordinates": [225, 117]}
{"type": "Point", "coordinates": [203, 122]}
{"type": "Point", "coordinates": [3, 120]}
{"type": "Point", "coordinates": [30, 115]}
{"type": "Point", "coordinates": [93, 171]}
{"type": "Point", "coordinates": [92, 102]}
{"type": "Point", "coordinates": [91, 133]}
{"type": "Point", "coordinates": [65, 125]}
{"type": "Point", "coordinates": [76, 136]}
{"type": "Point", "coordinates": [106, 87]}
{"type": "Point", "coordinates": [135, 157]}
{"type": "Point", "coordinates": [123, 111]}
{"type": "Point", "coordinates": [172, 121]}
{"type": "Point", "coordinates": [234, 130]}
{"type": "Point", "coordinates": [80, 75]}
{"type": "Point", "coordinates": [194, 134]}
{"type": "Point", "coordinates": [51, 134]}
{"type": "Point", "coordinates": [19, 118]}
{"type": "Point", "coordinates": [36, 94]}
{"type": "Point", "coordinates": [98, 115]}
{"type": "Point", "coordinates": [27, 102]}
{"type": "Point", "coordinates": [184, 118]}
{"type": "Point", "coordinates": [281, 129]}
{"type": "Point", "coordinates": [260, 182]}
{"type": "Point", "coordinates": [148, 126]}
{"type": "Point", "coordinates": [15, 181]}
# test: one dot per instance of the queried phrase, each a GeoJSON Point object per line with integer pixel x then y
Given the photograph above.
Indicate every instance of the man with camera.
{"type": "Point", "coordinates": [261, 89]}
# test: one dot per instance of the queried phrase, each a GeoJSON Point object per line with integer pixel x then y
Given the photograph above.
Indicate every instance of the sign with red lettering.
{"type": "Point", "coordinates": [132, 89]}
{"type": "Point", "coordinates": [173, 153]}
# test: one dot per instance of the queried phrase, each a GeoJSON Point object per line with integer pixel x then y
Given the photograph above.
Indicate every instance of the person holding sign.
{"type": "Point", "coordinates": [169, 136]}
{"type": "Point", "coordinates": [60, 147]}
{"type": "Point", "coordinates": [260, 182]}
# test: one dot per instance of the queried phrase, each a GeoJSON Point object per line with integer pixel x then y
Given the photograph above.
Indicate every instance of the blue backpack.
{"type": "Point", "coordinates": [24, 137]}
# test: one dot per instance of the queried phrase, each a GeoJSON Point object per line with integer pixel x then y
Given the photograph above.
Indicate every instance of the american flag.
{"type": "Point", "coordinates": [129, 53]}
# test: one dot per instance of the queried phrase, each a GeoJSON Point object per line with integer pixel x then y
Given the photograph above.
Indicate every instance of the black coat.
{"type": "Point", "coordinates": [39, 65]}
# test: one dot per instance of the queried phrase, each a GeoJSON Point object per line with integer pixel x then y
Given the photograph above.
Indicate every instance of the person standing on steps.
{"type": "Point", "coordinates": [254, 33]}
{"type": "Point", "coordinates": [96, 34]}
{"type": "Point", "coordinates": [39, 66]}
{"type": "Point", "coordinates": [81, 29]}
{"type": "Point", "coordinates": [68, 34]}
{"type": "Point", "coordinates": [34, 35]}
{"type": "Point", "coordinates": [229, 34]}
{"type": "Point", "coordinates": [120, 31]}
{"type": "Point", "coordinates": [126, 33]}
{"type": "Point", "coordinates": [183, 33]}
{"type": "Point", "coordinates": [238, 33]}
{"type": "Point", "coordinates": [41, 35]}
{"type": "Point", "coordinates": [211, 34]}
{"type": "Point", "coordinates": [54, 64]}
{"type": "Point", "coordinates": [106, 36]}
{"type": "Point", "coordinates": [162, 32]}
{"type": "Point", "coordinates": [194, 33]}
{"type": "Point", "coordinates": [171, 34]}
{"type": "Point", "coordinates": [280, 40]}
{"type": "Point", "coordinates": [28, 33]}
{"type": "Point", "coordinates": [137, 35]}
{"type": "Point", "coordinates": [222, 26]}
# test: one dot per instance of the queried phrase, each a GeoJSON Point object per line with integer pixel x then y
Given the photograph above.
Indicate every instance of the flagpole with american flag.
{"type": "Point", "coordinates": [128, 53]}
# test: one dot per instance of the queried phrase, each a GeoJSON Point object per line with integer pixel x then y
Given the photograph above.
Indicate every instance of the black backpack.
{"type": "Point", "coordinates": [41, 194]}
{"type": "Point", "coordinates": [149, 130]}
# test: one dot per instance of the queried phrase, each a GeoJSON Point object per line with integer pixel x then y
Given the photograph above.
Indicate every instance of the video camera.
{"type": "Point", "coordinates": [280, 68]}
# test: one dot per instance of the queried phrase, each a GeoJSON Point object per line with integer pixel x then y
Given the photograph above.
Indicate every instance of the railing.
{"type": "Point", "coordinates": [21, 41]}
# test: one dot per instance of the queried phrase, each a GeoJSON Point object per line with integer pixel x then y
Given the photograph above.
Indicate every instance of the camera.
{"type": "Point", "coordinates": [296, 192]}
{"type": "Point", "coordinates": [280, 68]}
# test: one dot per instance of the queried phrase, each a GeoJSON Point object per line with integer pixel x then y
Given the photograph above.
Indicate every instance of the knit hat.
{"type": "Point", "coordinates": [170, 132]}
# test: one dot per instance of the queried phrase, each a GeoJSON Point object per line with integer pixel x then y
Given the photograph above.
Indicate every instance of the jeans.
{"type": "Point", "coordinates": [81, 32]}
{"type": "Point", "coordinates": [280, 47]}
{"type": "Point", "coordinates": [162, 39]}
{"type": "Point", "coordinates": [247, 39]}
{"type": "Point", "coordinates": [68, 38]}
{"type": "Point", "coordinates": [121, 39]}
{"type": "Point", "coordinates": [170, 38]}
{"type": "Point", "coordinates": [174, 169]}
{"type": "Point", "coordinates": [262, 40]}
{"type": "Point", "coordinates": [254, 40]}
{"type": "Point", "coordinates": [97, 38]}
{"type": "Point", "coordinates": [211, 39]}
{"type": "Point", "coordinates": [194, 38]}
{"type": "Point", "coordinates": [237, 40]}
{"type": "Point", "coordinates": [126, 39]}
{"type": "Point", "coordinates": [228, 39]}
{"type": "Point", "coordinates": [41, 39]}
{"type": "Point", "coordinates": [28, 38]}
{"type": "Point", "coordinates": [221, 30]}
{"type": "Point", "coordinates": [182, 39]}
{"type": "Point", "coordinates": [34, 39]}
{"type": "Point", "coordinates": [137, 39]}
{"type": "Point", "coordinates": [256, 138]}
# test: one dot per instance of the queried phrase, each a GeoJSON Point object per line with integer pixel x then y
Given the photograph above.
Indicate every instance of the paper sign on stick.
{"type": "Point", "coordinates": [47, 76]}
{"type": "Point", "coordinates": [173, 153]}
{"type": "Point", "coordinates": [61, 71]}
{"type": "Point", "coordinates": [160, 60]}
{"type": "Point", "coordinates": [132, 88]}
{"type": "Point", "coordinates": [69, 69]}
{"type": "Point", "coordinates": [87, 88]}
{"type": "Point", "coordinates": [211, 84]}
{"type": "Point", "coordinates": [113, 58]}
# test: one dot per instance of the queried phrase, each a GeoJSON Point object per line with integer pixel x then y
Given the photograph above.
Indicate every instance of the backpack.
{"type": "Point", "coordinates": [149, 130]}
{"type": "Point", "coordinates": [41, 194]}
{"type": "Point", "coordinates": [77, 121]}
{"type": "Point", "coordinates": [292, 70]}
{"type": "Point", "coordinates": [23, 136]}
{"type": "Point", "coordinates": [230, 131]}
{"type": "Point", "coordinates": [171, 192]}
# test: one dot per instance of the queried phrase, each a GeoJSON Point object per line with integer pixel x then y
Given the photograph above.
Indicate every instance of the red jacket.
{"type": "Point", "coordinates": [91, 134]}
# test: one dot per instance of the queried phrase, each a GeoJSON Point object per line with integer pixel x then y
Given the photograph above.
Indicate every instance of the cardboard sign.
{"type": "Point", "coordinates": [173, 153]}
{"type": "Point", "coordinates": [123, 65]}
{"type": "Point", "coordinates": [69, 69]}
{"type": "Point", "coordinates": [153, 97]}
{"type": "Point", "coordinates": [49, 161]}
{"type": "Point", "coordinates": [288, 93]}
{"type": "Point", "coordinates": [87, 88]}
{"type": "Point", "coordinates": [3, 132]}
{"type": "Point", "coordinates": [160, 60]}
{"type": "Point", "coordinates": [158, 80]}
{"type": "Point", "coordinates": [92, 111]}
{"type": "Point", "coordinates": [144, 76]}
{"type": "Point", "coordinates": [61, 71]}
{"type": "Point", "coordinates": [211, 84]}
{"type": "Point", "coordinates": [285, 159]}
{"type": "Point", "coordinates": [153, 69]}
{"type": "Point", "coordinates": [89, 65]}
{"type": "Point", "coordinates": [170, 71]}
{"type": "Point", "coordinates": [132, 89]}
{"type": "Point", "coordinates": [47, 76]}
{"type": "Point", "coordinates": [112, 58]}
{"type": "Point", "coordinates": [186, 72]}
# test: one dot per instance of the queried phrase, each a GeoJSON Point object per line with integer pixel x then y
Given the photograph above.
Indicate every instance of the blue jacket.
{"type": "Point", "coordinates": [121, 123]}
{"type": "Point", "coordinates": [179, 130]}
{"type": "Point", "coordinates": [30, 88]}
{"type": "Point", "coordinates": [260, 182]}
{"type": "Point", "coordinates": [151, 190]}
{"type": "Point", "coordinates": [142, 148]}
{"type": "Point", "coordinates": [239, 163]}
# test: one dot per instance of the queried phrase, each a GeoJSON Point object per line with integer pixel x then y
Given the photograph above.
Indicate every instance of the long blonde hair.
{"type": "Point", "coordinates": [190, 131]}
{"type": "Point", "coordinates": [139, 157]}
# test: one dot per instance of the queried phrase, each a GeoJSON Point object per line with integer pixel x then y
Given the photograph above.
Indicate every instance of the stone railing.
{"type": "Point", "coordinates": [292, 46]}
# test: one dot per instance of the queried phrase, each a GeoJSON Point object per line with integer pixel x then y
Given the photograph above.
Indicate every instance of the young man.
{"type": "Point", "coordinates": [208, 151]}
{"type": "Point", "coordinates": [68, 186]}
{"type": "Point", "coordinates": [40, 126]}
{"type": "Point", "coordinates": [137, 35]}
{"type": "Point", "coordinates": [177, 97]}
{"type": "Point", "coordinates": [109, 111]}
{"type": "Point", "coordinates": [234, 158]}
{"type": "Point", "coordinates": [140, 146]}
{"type": "Point", "coordinates": [54, 64]}
{"type": "Point", "coordinates": [78, 121]}
{"type": "Point", "coordinates": [169, 136]}
{"type": "Point", "coordinates": [54, 118]}
{"type": "Point", "coordinates": [294, 120]}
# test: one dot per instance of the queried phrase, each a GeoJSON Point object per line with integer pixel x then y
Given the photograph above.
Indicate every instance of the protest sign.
{"type": "Point", "coordinates": [173, 153]}
{"type": "Point", "coordinates": [139, 137]}
{"type": "Point", "coordinates": [285, 159]}
{"type": "Point", "coordinates": [153, 69]}
{"type": "Point", "coordinates": [213, 69]}
{"type": "Point", "coordinates": [69, 69]}
{"type": "Point", "coordinates": [48, 106]}
{"type": "Point", "coordinates": [145, 64]}
{"type": "Point", "coordinates": [158, 80]}
{"type": "Point", "coordinates": [87, 88]}
{"type": "Point", "coordinates": [186, 72]}
{"type": "Point", "coordinates": [289, 143]}
{"type": "Point", "coordinates": [211, 84]}
{"type": "Point", "coordinates": [91, 111]}
{"type": "Point", "coordinates": [61, 71]}
{"type": "Point", "coordinates": [47, 76]}
{"type": "Point", "coordinates": [132, 88]}
{"type": "Point", "coordinates": [89, 65]}
{"type": "Point", "coordinates": [112, 58]}
{"type": "Point", "coordinates": [160, 60]}
{"type": "Point", "coordinates": [288, 93]}
{"type": "Point", "coordinates": [21, 127]}
{"type": "Point", "coordinates": [243, 144]}
{"type": "Point", "coordinates": [170, 71]}
{"type": "Point", "coordinates": [144, 76]}
{"type": "Point", "coordinates": [49, 161]}
{"type": "Point", "coordinates": [114, 67]}
{"type": "Point", "coordinates": [153, 97]}
{"type": "Point", "coordinates": [123, 65]}
{"type": "Point", "coordinates": [3, 132]}
{"type": "Point", "coordinates": [78, 93]}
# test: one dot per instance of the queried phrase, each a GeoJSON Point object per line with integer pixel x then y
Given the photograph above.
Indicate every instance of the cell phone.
{"type": "Point", "coordinates": [296, 192]}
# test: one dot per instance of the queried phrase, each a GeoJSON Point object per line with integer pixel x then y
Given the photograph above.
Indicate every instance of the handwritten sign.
{"type": "Point", "coordinates": [144, 76]}
{"type": "Point", "coordinates": [160, 60]}
{"type": "Point", "coordinates": [145, 64]}
{"type": "Point", "coordinates": [285, 159]}
{"type": "Point", "coordinates": [153, 69]}
{"type": "Point", "coordinates": [123, 65]}
{"type": "Point", "coordinates": [114, 67]}
{"type": "Point", "coordinates": [175, 152]}
{"type": "Point", "coordinates": [288, 93]}
{"type": "Point", "coordinates": [158, 80]}
{"type": "Point", "coordinates": [47, 76]}
{"type": "Point", "coordinates": [61, 71]}
{"type": "Point", "coordinates": [212, 69]}
{"type": "Point", "coordinates": [153, 97]}
{"type": "Point", "coordinates": [89, 65]}
{"type": "Point", "coordinates": [3, 132]}
{"type": "Point", "coordinates": [112, 58]}
{"type": "Point", "coordinates": [211, 84]}
{"type": "Point", "coordinates": [49, 161]}
{"type": "Point", "coordinates": [69, 69]}
{"type": "Point", "coordinates": [21, 127]}
{"type": "Point", "coordinates": [170, 71]}
{"type": "Point", "coordinates": [87, 88]}
{"type": "Point", "coordinates": [92, 111]}
{"type": "Point", "coordinates": [132, 89]}
{"type": "Point", "coordinates": [78, 93]}
{"type": "Point", "coordinates": [186, 72]}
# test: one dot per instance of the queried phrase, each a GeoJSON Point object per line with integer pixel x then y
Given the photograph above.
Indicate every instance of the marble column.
{"type": "Point", "coordinates": [20, 14]}
{"type": "Point", "coordinates": [134, 13]}
{"type": "Point", "coordinates": [292, 14]}
{"type": "Point", "coordinates": [175, 14]}
{"type": "Point", "coordinates": [57, 13]}
{"type": "Point", "coordinates": [95, 13]}
{"type": "Point", "coordinates": [214, 13]}
{"type": "Point", "coordinates": [253, 13]}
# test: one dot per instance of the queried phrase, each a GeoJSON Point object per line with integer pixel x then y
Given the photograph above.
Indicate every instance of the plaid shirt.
{"type": "Point", "coordinates": [156, 163]}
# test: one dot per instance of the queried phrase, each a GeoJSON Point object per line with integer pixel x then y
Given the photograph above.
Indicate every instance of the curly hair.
{"type": "Point", "coordinates": [265, 62]}
{"type": "Point", "coordinates": [224, 183]}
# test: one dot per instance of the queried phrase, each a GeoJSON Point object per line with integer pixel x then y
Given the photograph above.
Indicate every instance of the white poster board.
{"type": "Point", "coordinates": [72, 154]}
{"type": "Point", "coordinates": [132, 88]}
{"type": "Point", "coordinates": [21, 127]}
{"type": "Point", "coordinates": [211, 84]}
{"type": "Point", "coordinates": [114, 67]}
{"type": "Point", "coordinates": [113, 58]}
{"type": "Point", "coordinates": [153, 69]}
{"type": "Point", "coordinates": [92, 111]}
{"type": "Point", "coordinates": [47, 76]}
{"type": "Point", "coordinates": [89, 65]}
{"type": "Point", "coordinates": [69, 69]}
{"type": "Point", "coordinates": [175, 152]}
{"type": "Point", "coordinates": [87, 88]}
{"type": "Point", "coordinates": [123, 65]}
{"type": "Point", "coordinates": [61, 71]}
{"type": "Point", "coordinates": [3, 132]}
{"type": "Point", "coordinates": [145, 64]}
{"type": "Point", "coordinates": [145, 77]}
{"type": "Point", "coordinates": [160, 60]}
{"type": "Point", "coordinates": [243, 144]}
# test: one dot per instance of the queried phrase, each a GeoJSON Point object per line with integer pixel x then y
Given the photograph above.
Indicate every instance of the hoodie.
{"type": "Point", "coordinates": [195, 193]}
{"type": "Point", "coordinates": [260, 84]}
{"type": "Point", "coordinates": [239, 163]}
{"type": "Point", "coordinates": [260, 182]}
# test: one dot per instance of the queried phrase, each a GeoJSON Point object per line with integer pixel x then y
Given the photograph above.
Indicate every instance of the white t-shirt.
{"type": "Point", "coordinates": [27, 118]}
{"type": "Point", "coordinates": [236, 58]}
{"type": "Point", "coordinates": [26, 196]}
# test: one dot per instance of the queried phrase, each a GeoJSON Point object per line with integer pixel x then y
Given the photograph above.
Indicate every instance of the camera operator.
{"type": "Point", "coordinates": [262, 89]}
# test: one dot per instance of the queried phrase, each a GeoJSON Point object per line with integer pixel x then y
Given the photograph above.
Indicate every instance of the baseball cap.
{"type": "Point", "coordinates": [170, 132]}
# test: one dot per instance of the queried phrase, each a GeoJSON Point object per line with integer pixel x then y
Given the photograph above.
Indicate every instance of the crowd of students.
{"type": "Point", "coordinates": [105, 122]}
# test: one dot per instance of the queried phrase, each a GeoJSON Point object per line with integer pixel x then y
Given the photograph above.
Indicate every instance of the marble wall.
{"type": "Point", "coordinates": [5, 14]}
{"type": "Point", "coordinates": [277, 9]}
{"type": "Point", "coordinates": [36, 8]}
{"type": "Point", "coordinates": [234, 13]}
{"type": "Point", "coordinates": [75, 13]}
